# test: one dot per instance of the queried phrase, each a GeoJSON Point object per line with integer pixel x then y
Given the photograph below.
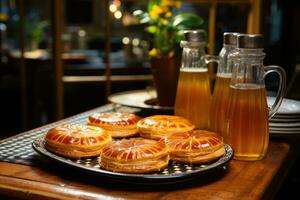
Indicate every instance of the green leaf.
{"type": "Point", "coordinates": [179, 36]}
{"type": "Point", "coordinates": [152, 29]}
{"type": "Point", "coordinates": [146, 19]}
{"type": "Point", "coordinates": [138, 13]}
{"type": "Point", "coordinates": [152, 3]}
{"type": "Point", "coordinates": [142, 16]}
{"type": "Point", "coordinates": [43, 24]}
{"type": "Point", "coordinates": [186, 21]}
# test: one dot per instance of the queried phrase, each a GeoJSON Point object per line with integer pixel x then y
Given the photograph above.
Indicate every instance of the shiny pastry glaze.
{"type": "Point", "coordinates": [195, 140]}
{"type": "Point", "coordinates": [134, 149]}
{"type": "Point", "coordinates": [114, 118]}
{"type": "Point", "coordinates": [77, 135]}
{"type": "Point", "coordinates": [165, 122]}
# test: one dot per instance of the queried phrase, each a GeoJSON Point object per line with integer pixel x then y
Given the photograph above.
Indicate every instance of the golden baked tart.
{"type": "Point", "coordinates": [159, 126]}
{"type": "Point", "coordinates": [77, 141]}
{"type": "Point", "coordinates": [118, 124]}
{"type": "Point", "coordinates": [195, 147]}
{"type": "Point", "coordinates": [135, 155]}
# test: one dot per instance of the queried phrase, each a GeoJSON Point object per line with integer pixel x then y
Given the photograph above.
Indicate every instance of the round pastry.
{"type": "Point", "coordinates": [195, 147]}
{"type": "Point", "coordinates": [119, 125]}
{"type": "Point", "coordinates": [136, 155]}
{"type": "Point", "coordinates": [76, 141]}
{"type": "Point", "coordinates": [159, 126]}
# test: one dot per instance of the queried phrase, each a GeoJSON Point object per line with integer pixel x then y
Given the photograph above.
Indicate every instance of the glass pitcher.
{"type": "Point", "coordinates": [193, 90]}
{"type": "Point", "coordinates": [248, 113]}
{"type": "Point", "coordinates": [220, 95]}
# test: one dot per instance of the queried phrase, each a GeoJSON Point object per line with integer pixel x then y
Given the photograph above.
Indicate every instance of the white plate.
{"type": "Point", "coordinates": [282, 133]}
{"type": "Point", "coordinates": [285, 125]}
{"type": "Point", "coordinates": [287, 116]}
{"type": "Point", "coordinates": [145, 99]}
{"type": "Point", "coordinates": [284, 120]}
{"type": "Point", "coordinates": [287, 107]}
{"type": "Point", "coordinates": [284, 129]}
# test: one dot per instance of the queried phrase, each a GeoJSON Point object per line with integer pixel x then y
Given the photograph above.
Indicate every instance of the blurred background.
{"type": "Point", "coordinates": [60, 58]}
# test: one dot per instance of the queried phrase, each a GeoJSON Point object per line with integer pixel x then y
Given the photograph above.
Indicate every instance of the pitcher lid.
{"type": "Point", "coordinates": [250, 41]}
{"type": "Point", "coordinates": [194, 35]}
{"type": "Point", "coordinates": [230, 38]}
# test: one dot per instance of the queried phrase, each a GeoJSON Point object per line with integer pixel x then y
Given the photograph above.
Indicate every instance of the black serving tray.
{"type": "Point", "coordinates": [174, 173]}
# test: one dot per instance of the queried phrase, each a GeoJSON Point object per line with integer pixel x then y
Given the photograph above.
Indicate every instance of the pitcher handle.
{"type": "Point", "coordinates": [210, 58]}
{"type": "Point", "coordinates": [282, 87]}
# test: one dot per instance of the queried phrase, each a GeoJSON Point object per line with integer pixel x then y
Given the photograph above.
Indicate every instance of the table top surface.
{"type": "Point", "coordinates": [241, 180]}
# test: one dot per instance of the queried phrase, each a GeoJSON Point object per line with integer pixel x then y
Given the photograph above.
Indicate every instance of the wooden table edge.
{"type": "Point", "coordinates": [27, 188]}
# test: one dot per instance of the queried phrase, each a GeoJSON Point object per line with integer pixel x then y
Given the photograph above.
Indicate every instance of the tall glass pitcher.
{"type": "Point", "coordinates": [248, 113]}
{"type": "Point", "coordinates": [193, 90]}
{"type": "Point", "coordinates": [221, 88]}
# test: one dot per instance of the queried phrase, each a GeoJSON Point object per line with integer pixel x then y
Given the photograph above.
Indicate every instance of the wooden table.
{"type": "Point", "coordinates": [242, 180]}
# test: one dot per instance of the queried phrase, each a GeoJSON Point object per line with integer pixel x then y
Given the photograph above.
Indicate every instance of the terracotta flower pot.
{"type": "Point", "coordinates": [165, 73]}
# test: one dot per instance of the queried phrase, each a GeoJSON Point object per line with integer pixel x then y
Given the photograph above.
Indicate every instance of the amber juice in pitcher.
{"type": "Point", "coordinates": [193, 96]}
{"type": "Point", "coordinates": [248, 121]}
{"type": "Point", "coordinates": [248, 114]}
{"type": "Point", "coordinates": [219, 103]}
{"type": "Point", "coordinates": [193, 89]}
{"type": "Point", "coordinates": [220, 95]}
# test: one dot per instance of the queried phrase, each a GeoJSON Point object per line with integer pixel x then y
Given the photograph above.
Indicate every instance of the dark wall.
{"type": "Point", "coordinates": [281, 27]}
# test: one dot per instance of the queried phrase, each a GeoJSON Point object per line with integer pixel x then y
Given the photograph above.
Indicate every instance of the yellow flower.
{"type": "Point", "coordinates": [171, 3]}
{"type": "Point", "coordinates": [156, 11]}
{"type": "Point", "coordinates": [163, 21]}
{"type": "Point", "coordinates": [154, 52]}
{"type": "Point", "coordinates": [171, 54]}
{"type": "Point", "coordinates": [3, 17]}
{"type": "Point", "coordinates": [169, 14]}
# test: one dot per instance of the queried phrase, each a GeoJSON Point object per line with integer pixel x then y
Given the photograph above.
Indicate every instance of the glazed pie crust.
{"type": "Point", "coordinates": [195, 147]}
{"type": "Point", "coordinates": [160, 126]}
{"type": "Point", "coordinates": [134, 155]}
{"type": "Point", "coordinates": [76, 141]}
{"type": "Point", "coordinates": [119, 125]}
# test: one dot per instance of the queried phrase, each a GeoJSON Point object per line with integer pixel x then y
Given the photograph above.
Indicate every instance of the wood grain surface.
{"type": "Point", "coordinates": [241, 180]}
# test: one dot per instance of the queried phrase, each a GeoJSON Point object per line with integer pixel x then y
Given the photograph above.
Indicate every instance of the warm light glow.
{"type": "Point", "coordinates": [135, 42]}
{"type": "Point", "coordinates": [117, 3]}
{"type": "Point", "coordinates": [126, 40]}
{"type": "Point", "coordinates": [82, 33]}
{"type": "Point", "coordinates": [113, 8]}
{"type": "Point", "coordinates": [118, 14]}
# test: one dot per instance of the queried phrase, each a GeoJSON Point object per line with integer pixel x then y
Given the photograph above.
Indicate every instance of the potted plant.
{"type": "Point", "coordinates": [33, 32]}
{"type": "Point", "coordinates": [34, 28]}
{"type": "Point", "coordinates": [165, 25]}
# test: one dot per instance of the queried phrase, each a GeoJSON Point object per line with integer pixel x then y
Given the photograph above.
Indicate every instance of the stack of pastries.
{"type": "Point", "coordinates": [140, 145]}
